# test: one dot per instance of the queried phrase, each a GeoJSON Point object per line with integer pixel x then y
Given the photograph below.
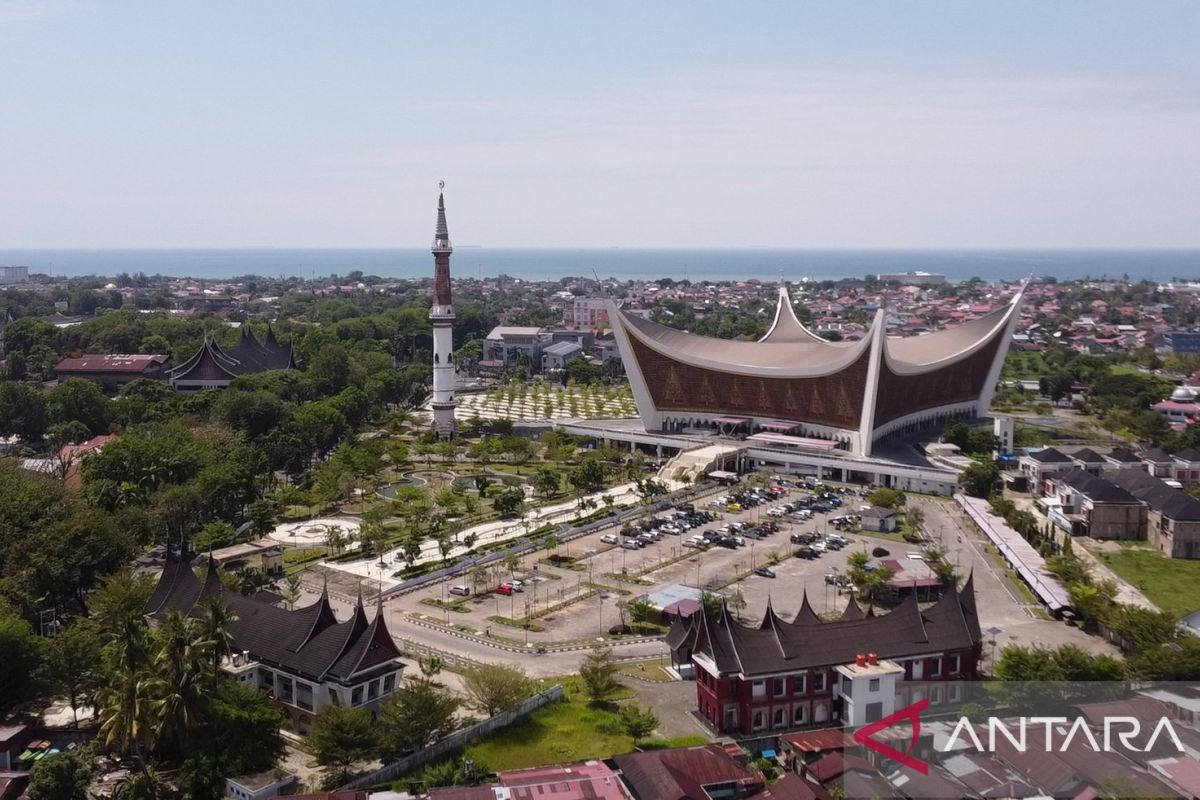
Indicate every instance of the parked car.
{"type": "Point", "coordinates": [461, 590]}
{"type": "Point", "coordinates": [820, 547]}
{"type": "Point", "coordinates": [880, 552]}
{"type": "Point", "coordinates": [765, 572]}
{"type": "Point", "coordinates": [504, 589]}
{"type": "Point", "coordinates": [803, 538]}
{"type": "Point", "coordinates": [609, 538]}
{"type": "Point", "coordinates": [806, 552]}
{"type": "Point", "coordinates": [630, 544]}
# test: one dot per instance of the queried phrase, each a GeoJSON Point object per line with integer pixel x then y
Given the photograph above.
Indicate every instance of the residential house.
{"type": "Point", "coordinates": [1173, 516]}
{"type": "Point", "coordinates": [1088, 460]}
{"type": "Point", "coordinates": [1084, 504]}
{"type": "Point", "coordinates": [1122, 458]}
{"type": "Point", "coordinates": [1039, 465]}
{"type": "Point", "coordinates": [1187, 466]}
{"type": "Point", "coordinates": [1159, 463]}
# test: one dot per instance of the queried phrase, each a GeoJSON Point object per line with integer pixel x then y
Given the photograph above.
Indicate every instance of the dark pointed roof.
{"type": "Point", "coordinates": [213, 363]}
{"type": "Point", "coordinates": [950, 624]}
{"type": "Point", "coordinates": [307, 641]}
{"type": "Point", "coordinates": [853, 611]}
{"type": "Point", "coordinates": [806, 615]}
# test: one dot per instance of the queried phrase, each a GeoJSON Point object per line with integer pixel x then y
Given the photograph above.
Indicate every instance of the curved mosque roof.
{"type": "Point", "coordinates": [791, 350]}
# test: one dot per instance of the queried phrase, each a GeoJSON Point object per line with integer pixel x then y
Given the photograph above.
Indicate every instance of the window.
{"type": "Point", "coordinates": [798, 683]}
{"type": "Point", "coordinates": [760, 720]}
{"type": "Point", "coordinates": [847, 686]}
{"type": "Point", "coordinates": [955, 664]}
{"type": "Point", "coordinates": [874, 711]}
{"type": "Point", "coordinates": [936, 669]}
{"type": "Point", "coordinates": [935, 696]}
{"type": "Point", "coordinates": [758, 689]}
{"type": "Point", "coordinates": [781, 717]}
{"type": "Point", "coordinates": [819, 682]}
{"type": "Point", "coordinates": [356, 696]}
{"type": "Point", "coordinates": [373, 689]}
{"type": "Point", "coordinates": [955, 693]}
{"type": "Point", "coordinates": [798, 715]}
{"type": "Point", "coordinates": [777, 687]}
{"type": "Point", "coordinates": [874, 685]}
{"type": "Point", "coordinates": [389, 683]}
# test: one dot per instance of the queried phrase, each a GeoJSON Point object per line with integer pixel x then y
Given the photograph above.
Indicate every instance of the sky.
{"type": "Point", "coordinates": [600, 124]}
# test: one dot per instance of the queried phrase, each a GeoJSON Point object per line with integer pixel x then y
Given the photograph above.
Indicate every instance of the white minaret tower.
{"type": "Point", "coordinates": [441, 314]}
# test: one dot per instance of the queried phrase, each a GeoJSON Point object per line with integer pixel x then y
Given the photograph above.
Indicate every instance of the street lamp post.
{"type": "Point", "coordinates": [994, 632]}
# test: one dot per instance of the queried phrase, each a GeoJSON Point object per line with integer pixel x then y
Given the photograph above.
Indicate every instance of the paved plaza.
{"type": "Point", "coordinates": [622, 574]}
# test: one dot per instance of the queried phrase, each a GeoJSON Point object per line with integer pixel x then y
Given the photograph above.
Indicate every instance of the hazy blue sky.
{"type": "Point", "coordinates": [909, 124]}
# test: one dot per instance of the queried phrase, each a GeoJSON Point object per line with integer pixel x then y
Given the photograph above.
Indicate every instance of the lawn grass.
{"type": "Point", "coordinates": [1172, 584]}
{"type": "Point", "coordinates": [568, 731]}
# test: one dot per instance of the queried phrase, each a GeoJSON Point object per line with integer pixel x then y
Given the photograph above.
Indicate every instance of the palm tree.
{"type": "Point", "coordinates": [126, 710]}
{"type": "Point", "coordinates": [181, 677]}
{"type": "Point", "coordinates": [215, 630]}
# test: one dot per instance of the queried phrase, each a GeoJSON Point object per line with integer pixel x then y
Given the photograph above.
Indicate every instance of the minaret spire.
{"type": "Point", "coordinates": [441, 315]}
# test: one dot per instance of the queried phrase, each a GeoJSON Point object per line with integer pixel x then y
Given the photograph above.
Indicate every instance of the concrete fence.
{"type": "Point", "coordinates": [456, 741]}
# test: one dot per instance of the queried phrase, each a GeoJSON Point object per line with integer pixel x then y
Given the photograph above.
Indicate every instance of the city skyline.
{"type": "Point", "coordinates": [943, 126]}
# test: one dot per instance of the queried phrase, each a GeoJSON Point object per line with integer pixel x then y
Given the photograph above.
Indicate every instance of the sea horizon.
{"type": "Point", "coordinates": [542, 264]}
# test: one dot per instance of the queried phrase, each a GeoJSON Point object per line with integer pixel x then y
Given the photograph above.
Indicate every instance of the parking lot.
{"type": "Point", "coordinates": [738, 545]}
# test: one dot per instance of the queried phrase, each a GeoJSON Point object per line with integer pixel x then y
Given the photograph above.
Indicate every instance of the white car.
{"type": "Point", "coordinates": [820, 547]}
{"type": "Point", "coordinates": [692, 542]}
{"type": "Point", "coordinates": [609, 538]}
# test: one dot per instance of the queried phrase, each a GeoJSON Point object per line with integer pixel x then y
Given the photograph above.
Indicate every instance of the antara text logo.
{"type": "Point", "coordinates": [1024, 734]}
{"type": "Point", "coordinates": [1058, 734]}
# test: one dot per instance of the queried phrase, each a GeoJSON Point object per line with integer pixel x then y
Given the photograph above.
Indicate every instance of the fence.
{"type": "Point", "coordinates": [456, 740]}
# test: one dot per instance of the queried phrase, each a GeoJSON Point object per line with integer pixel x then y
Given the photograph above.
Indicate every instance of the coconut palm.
{"type": "Point", "coordinates": [182, 670]}
{"type": "Point", "coordinates": [215, 630]}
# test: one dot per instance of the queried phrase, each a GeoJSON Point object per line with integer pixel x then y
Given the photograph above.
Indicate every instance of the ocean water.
{"type": "Point", "coordinates": [481, 262]}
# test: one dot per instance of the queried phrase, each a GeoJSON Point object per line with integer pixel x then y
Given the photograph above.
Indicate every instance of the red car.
{"type": "Point", "coordinates": [503, 588]}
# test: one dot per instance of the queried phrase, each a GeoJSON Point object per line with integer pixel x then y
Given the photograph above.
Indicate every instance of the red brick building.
{"type": "Point", "coordinates": [779, 674]}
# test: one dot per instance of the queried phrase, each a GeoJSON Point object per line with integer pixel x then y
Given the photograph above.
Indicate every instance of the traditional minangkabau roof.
{"type": "Point", "coordinates": [775, 645]}
{"type": "Point", "coordinates": [308, 641]}
{"type": "Point", "coordinates": [214, 363]}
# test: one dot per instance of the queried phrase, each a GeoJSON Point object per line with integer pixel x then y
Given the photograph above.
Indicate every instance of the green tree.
{"type": "Point", "coordinates": [340, 738]}
{"type": "Point", "coordinates": [545, 482]}
{"type": "Point", "coordinates": [492, 688]}
{"type": "Point", "coordinates": [599, 674]}
{"type": "Point", "coordinates": [77, 400]}
{"type": "Point", "coordinates": [19, 667]}
{"type": "Point", "coordinates": [886, 498]}
{"type": "Point", "coordinates": [638, 722]}
{"type": "Point", "coordinates": [62, 776]}
{"type": "Point", "coordinates": [981, 479]}
{"type": "Point", "coordinates": [72, 666]}
{"type": "Point", "coordinates": [22, 411]}
{"type": "Point", "coordinates": [509, 502]}
{"type": "Point", "coordinates": [419, 713]}
{"type": "Point", "coordinates": [587, 476]}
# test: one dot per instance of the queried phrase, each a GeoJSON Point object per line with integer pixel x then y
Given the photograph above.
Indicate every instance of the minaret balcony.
{"type": "Point", "coordinates": [441, 312]}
